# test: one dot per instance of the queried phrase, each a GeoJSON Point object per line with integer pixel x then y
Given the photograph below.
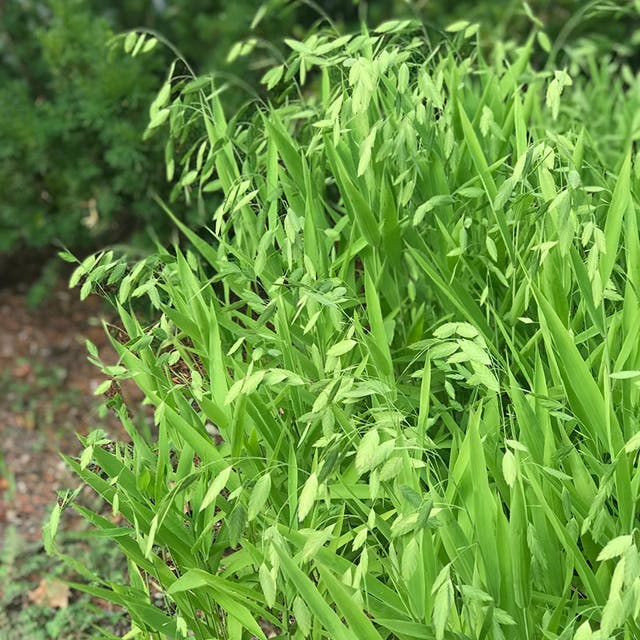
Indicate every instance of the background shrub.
{"type": "Point", "coordinates": [73, 167]}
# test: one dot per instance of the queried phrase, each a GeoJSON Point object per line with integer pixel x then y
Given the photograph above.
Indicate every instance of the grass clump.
{"type": "Point", "coordinates": [395, 385]}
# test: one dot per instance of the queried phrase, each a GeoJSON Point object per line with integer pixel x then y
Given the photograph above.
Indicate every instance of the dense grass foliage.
{"type": "Point", "coordinates": [396, 383]}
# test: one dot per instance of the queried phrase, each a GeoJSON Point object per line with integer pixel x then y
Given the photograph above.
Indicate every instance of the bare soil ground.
{"type": "Point", "coordinates": [46, 397]}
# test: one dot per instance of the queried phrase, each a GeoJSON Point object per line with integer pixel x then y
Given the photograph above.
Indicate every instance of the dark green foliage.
{"type": "Point", "coordinates": [205, 30]}
{"type": "Point", "coordinates": [73, 167]}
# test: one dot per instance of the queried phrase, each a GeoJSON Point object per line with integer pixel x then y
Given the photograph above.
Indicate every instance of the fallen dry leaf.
{"type": "Point", "coordinates": [50, 593]}
{"type": "Point", "coordinates": [26, 420]}
{"type": "Point", "coordinates": [22, 371]}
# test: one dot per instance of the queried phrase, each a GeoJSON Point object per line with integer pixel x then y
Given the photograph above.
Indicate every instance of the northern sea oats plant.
{"type": "Point", "coordinates": [396, 384]}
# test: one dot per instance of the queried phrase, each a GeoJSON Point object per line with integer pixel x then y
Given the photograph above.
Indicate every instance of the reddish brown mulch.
{"type": "Point", "coordinates": [46, 396]}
